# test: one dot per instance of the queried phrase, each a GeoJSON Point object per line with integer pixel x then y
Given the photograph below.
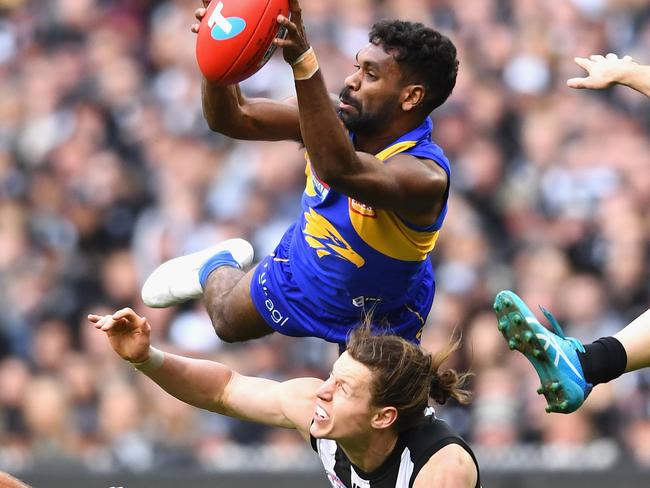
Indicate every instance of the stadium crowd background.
{"type": "Point", "coordinates": [107, 168]}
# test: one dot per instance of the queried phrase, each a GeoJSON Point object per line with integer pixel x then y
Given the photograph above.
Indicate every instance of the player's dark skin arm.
{"type": "Point", "coordinates": [412, 187]}
{"type": "Point", "coordinates": [228, 112]}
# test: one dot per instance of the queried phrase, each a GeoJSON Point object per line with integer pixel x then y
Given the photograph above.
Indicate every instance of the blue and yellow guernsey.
{"type": "Point", "coordinates": [346, 255]}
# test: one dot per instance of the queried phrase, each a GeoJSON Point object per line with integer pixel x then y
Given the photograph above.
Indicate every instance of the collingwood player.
{"type": "Point", "coordinates": [367, 421]}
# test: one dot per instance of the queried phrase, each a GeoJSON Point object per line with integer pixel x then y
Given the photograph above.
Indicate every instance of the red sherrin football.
{"type": "Point", "coordinates": [235, 37]}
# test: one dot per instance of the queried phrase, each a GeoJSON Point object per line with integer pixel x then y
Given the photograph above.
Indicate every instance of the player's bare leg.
{"type": "Point", "coordinates": [228, 302]}
{"type": "Point", "coordinates": [217, 274]}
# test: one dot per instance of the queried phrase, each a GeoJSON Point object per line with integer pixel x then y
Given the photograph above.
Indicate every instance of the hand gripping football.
{"type": "Point", "coordinates": [235, 38]}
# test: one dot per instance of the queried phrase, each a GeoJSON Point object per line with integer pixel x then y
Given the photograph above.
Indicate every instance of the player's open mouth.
{"type": "Point", "coordinates": [320, 413]}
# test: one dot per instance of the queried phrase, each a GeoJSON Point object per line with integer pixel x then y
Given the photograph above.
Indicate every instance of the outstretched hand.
{"type": "Point", "coordinates": [127, 332]}
{"type": "Point", "coordinates": [295, 42]}
{"type": "Point", "coordinates": [603, 71]}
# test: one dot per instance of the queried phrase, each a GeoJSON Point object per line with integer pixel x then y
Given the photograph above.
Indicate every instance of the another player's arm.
{"type": "Point", "coordinates": [606, 71]}
{"type": "Point", "coordinates": [450, 467]}
{"type": "Point", "coordinates": [214, 386]}
{"type": "Point", "coordinates": [211, 385]}
{"type": "Point", "coordinates": [412, 187]}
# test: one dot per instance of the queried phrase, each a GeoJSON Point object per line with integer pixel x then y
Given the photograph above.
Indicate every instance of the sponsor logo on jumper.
{"type": "Point", "coordinates": [335, 481]}
{"type": "Point", "coordinates": [322, 236]}
{"type": "Point", "coordinates": [361, 301]}
{"type": "Point", "coordinates": [321, 188]}
{"type": "Point", "coordinates": [362, 209]}
{"type": "Point", "coordinates": [223, 28]}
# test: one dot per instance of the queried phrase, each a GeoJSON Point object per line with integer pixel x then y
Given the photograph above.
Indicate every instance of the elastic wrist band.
{"type": "Point", "coordinates": [153, 362]}
{"type": "Point", "coordinates": [305, 66]}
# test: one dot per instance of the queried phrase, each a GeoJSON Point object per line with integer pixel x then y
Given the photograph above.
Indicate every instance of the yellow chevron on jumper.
{"type": "Point", "coordinates": [321, 235]}
{"type": "Point", "coordinates": [384, 231]}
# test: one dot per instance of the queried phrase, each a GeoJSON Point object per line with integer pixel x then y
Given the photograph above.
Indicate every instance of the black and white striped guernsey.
{"type": "Point", "coordinates": [413, 449]}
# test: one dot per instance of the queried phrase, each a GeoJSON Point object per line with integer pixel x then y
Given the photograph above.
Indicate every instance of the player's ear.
{"type": "Point", "coordinates": [384, 417]}
{"type": "Point", "coordinates": [412, 96]}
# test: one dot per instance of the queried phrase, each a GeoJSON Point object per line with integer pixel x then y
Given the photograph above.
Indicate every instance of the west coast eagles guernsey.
{"type": "Point", "coordinates": [346, 255]}
{"type": "Point", "coordinates": [342, 258]}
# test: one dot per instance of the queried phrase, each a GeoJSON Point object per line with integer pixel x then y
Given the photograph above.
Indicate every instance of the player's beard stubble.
{"type": "Point", "coordinates": [361, 121]}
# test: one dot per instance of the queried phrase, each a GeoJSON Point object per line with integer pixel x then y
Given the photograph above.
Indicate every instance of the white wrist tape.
{"type": "Point", "coordinates": [305, 66]}
{"type": "Point", "coordinates": [153, 362]}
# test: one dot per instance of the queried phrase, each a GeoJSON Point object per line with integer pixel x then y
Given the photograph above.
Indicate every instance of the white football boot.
{"type": "Point", "coordinates": [177, 280]}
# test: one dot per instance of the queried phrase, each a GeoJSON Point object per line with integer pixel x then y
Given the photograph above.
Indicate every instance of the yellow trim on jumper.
{"type": "Point", "coordinates": [309, 186]}
{"type": "Point", "coordinates": [384, 231]}
{"type": "Point", "coordinates": [395, 149]}
{"type": "Point", "coordinates": [416, 313]}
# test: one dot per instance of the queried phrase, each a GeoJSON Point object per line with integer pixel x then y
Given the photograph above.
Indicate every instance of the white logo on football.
{"type": "Point", "coordinates": [218, 19]}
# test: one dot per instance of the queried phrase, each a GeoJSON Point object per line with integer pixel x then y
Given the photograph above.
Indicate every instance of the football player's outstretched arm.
{"type": "Point", "coordinates": [606, 71]}
{"type": "Point", "coordinates": [228, 112]}
{"type": "Point", "coordinates": [208, 384]}
{"type": "Point", "coordinates": [412, 187]}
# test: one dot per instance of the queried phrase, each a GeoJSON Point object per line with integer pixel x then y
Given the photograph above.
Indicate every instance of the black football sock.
{"type": "Point", "coordinates": [603, 360]}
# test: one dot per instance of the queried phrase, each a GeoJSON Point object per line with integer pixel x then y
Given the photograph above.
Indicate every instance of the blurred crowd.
{"type": "Point", "coordinates": [107, 168]}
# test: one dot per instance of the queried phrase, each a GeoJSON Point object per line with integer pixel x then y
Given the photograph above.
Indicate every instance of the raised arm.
{"type": "Point", "coordinates": [412, 187]}
{"type": "Point", "coordinates": [228, 112]}
{"type": "Point", "coordinates": [606, 71]}
{"type": "Point", "coordinates": [208, 384]}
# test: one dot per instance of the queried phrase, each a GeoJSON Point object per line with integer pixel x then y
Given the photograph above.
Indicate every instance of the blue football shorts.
{"type": "Point", "coordinates": [289, 311]}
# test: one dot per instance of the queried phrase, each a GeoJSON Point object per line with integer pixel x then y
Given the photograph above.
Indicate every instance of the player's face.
{"type": "Point", "coordinates": [371, 94]}
{"type": "Point", "coordinates": [343, 408]}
